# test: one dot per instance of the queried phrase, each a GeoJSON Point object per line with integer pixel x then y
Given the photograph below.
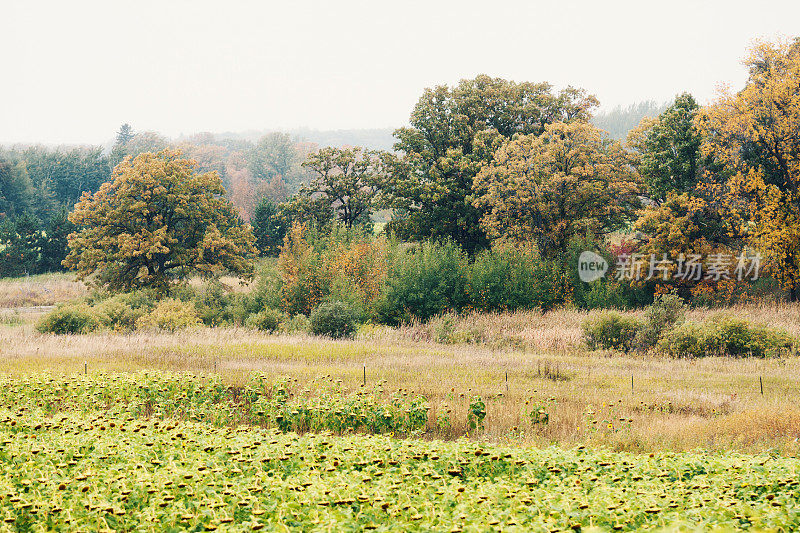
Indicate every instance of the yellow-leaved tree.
{"type": "Point", "coordinates": [570, 181]}
{"type": "Point", "coordinates": [754, 133]}
{"type": "Point", "coordinates": [155, 223]}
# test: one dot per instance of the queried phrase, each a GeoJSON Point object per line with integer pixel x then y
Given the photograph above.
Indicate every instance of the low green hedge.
{"type": "Point", "coordinates": [611, 330]}
{"type": "Point", "coordinates": [729, 336]}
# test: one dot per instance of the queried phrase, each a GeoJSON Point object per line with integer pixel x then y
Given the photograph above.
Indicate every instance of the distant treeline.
{"type": "Point", "coordinates": [620, 120]}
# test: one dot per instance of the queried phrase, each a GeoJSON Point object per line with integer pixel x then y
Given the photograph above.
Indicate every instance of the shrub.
{"type": "Point", "coordinates": [170, 315]}
{"type": "Point", "coordinates": [726, 335]}
{"type": "Point", "coordinates": [740, 338]}
{"type": "Point", "coordinates": [145, 299]}
{"type": "Point", "coordinates": [663, 314]}
{"type": "Point", "coordinates": [356, 270]}
{"type": "Point", "coordinates": [117, 314]}
{"type": "Point", "coordinates": [610, 330]}
{"type": "Point", "coordinates": [267, 288]}
{"type": "Point", "coordinates": [299, 323]}
{"type": "Point", "coordinates": [212, 303]}
{"type": "Point", "coordinates": [600, 294]}
{"type": "Point", "coordinates": [334, 319]}
{"type": "Point", "coordinates": [266, 320]}
{"type": "Point", "coordinates": [424, 281]}
{"type": "Point", "coordinates": [300, 269]}
{"type": "Point", "coordinates": [689, 340]}
{"type": "Point", "coordinates": [69, 319]}
{"type": "Point", "coordinates": [511, 279]}
{"type": "Point", "coordinates": [452, 329]}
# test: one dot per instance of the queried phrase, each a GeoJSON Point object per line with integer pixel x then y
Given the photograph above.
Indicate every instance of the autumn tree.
{"type": "Point", "coordinates": [157, 222]}
{"type": "Point", "coordinates": [569, 181]}
{"type": "Point", "coordinates": [754, 133]}
{"type": "Point", "coordinates": [345, 185]}
{"type": "Point", "coordinates": [668, 149]}
{"type": "Point", "coordinates": [691, 227]}
{"type": "Point", "coordinates": [454, 132]}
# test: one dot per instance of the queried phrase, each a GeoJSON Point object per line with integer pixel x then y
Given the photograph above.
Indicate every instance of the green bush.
{"type": "Point", "coordinates": [334, 319]}
{"type": "Point", "coordinates": [266, 320]}
{"type": "Point", "coordinates": [69, 319]}
{"type": "Point", "coordinates": [117, 314]}
{"type": "Point", "coordinates": [212, 302]}
{"type": "Point", "coordinates": [600, 294]}
{"type": "Point", "coordinates": [610, 330]}
{"type": "Point", "coordinates": [726, 335]}
{"type": "Point", "coordinates": [170, 315]}
{"type": "Point", "coordinates": [426, 280]}
{"type": "Point", "coordinates": [690, 339]}
{"type": "Point", "coordinates": [662, 315]}
{"type": "Point", "coordinates": [267, 288]}
{"type": "Point", "coordinates": [511, 279]}
{"type": "Point", "coordinates": [452, 329]}
{"type": "Point", "coordinates": [299, 323]}
{"type": "Point", "coordinates": [740, 338]}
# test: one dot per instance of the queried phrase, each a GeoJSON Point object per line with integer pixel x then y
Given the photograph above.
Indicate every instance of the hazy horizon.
{"type": "Point", "coordinates": [77, 70]}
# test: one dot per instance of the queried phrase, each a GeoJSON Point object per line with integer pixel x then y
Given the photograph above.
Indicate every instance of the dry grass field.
{"type": "Point", "coordinates": [626, 402]}
{"type": "Point", "coordinates": [41, 290]}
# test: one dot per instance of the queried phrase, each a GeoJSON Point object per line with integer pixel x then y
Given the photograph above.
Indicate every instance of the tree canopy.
{"type": "Point", "coordinates": [156, 222]}
{"type": "Point", "coordinates": [454, 132]}
{"type": "Point", "coordinates": [570, 181]}
{"type": "Point", "coordinates": [346, 184]}
{"type": "Point", "coordinates": [754, 135]}
{"type": "Point", "coordinates": [668, 149]}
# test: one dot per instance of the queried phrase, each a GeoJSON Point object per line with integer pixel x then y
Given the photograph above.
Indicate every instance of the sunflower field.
{"type": "Point", "coordinates": [98, 454]}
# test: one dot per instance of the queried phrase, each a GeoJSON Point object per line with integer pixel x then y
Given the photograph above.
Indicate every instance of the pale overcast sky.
{"type": "Point", "coordinates": [73, 71]}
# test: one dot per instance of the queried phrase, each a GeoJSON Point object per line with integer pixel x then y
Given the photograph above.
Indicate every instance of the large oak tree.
{"type": "Point", "coordinates": [754, 134]}
{"type": "Point", "coordinates": [454, 132]}
{"type": "Point", "coordinates": [570, 181]}
{"type": "Point", "coordinates": [158, 221]}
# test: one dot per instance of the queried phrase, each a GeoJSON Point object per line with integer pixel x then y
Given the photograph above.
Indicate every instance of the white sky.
{"type": "Point", "coordinates": [73, 71]}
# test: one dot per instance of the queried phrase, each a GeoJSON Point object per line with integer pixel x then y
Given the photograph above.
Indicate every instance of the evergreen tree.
{"type": "Point", "coordinates": [268, 228]}
{"type": "Point", "coordinates": [54, 247]}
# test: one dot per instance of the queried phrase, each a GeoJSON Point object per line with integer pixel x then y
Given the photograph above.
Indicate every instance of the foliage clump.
{"type": "Point", "coordinates": [611, 330]}
{"type": "Point", "coordinates": [333, 319]}
{"type": "Point", "coordinates": [266, 320]}
{"type": "Point", "coordinates": [424, 281]}
{"type": "Point", "coordinates": [726, 335]}
{"type": "Point", "coordinates": [156, 222]}
{"type": "Point", "coordinates": [170, 315]}
{"type": "Point", "coordinates": [661, 316]}
{"type": "Point", "coordinates": [69, 319]}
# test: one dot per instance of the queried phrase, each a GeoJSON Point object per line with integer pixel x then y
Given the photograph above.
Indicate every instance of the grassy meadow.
{"type": "Point", "coordinates": [518, 363]}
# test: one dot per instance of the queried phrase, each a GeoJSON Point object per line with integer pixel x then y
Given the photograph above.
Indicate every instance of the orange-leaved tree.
{"type": "Point", "coordinates": [754, 134]}
{"type": "Point", "coordinates": [155, 223]}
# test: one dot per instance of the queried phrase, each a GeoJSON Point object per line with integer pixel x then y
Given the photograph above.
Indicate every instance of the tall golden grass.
{"type": "Point", "coordinates": [40, 290]}
{"type": "Point", "coordinates": [650, 402]}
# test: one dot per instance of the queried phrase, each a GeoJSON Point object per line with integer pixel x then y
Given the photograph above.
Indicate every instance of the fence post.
{"type": "Point", "coordinates": [761, 385]}
{"type": "Point", "coordinates": [85, 370]}
{"type": "Point", "coordinates": [506, 381]}
{"type": "Point", "coordinates": [365, 374]}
